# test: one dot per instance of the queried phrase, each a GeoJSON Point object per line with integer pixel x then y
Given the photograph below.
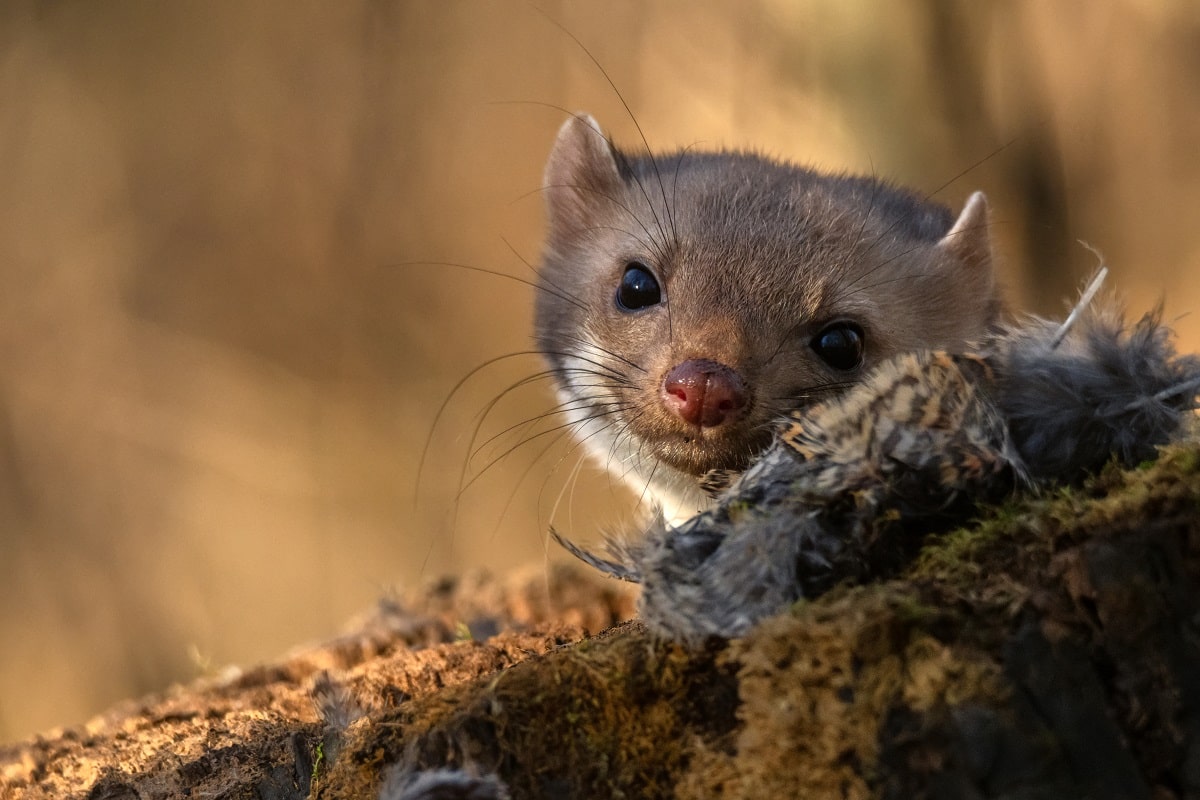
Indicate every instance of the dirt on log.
{"type": "Point", "coordinates": [1049, 650]}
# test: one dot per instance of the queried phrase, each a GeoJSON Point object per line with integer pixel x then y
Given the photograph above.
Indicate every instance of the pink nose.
{"type": "Point", "coordinates": [704, 393]}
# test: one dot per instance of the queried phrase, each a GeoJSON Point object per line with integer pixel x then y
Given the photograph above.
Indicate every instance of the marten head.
{"type": "Point", "coordinates": [690, 299]}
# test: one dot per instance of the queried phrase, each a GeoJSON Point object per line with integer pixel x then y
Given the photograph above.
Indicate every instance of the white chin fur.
{"type": "Point", "coordinates": [652, 481]}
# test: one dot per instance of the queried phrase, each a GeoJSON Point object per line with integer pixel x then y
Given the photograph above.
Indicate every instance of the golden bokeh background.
{"type": "Point", "coordinates": [225, 324]}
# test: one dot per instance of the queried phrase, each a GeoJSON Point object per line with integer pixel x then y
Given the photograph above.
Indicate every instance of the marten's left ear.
{"type": "Point", "coordinates": [581, 177]}
{"type": "Point", "coordinates": [968, 241]}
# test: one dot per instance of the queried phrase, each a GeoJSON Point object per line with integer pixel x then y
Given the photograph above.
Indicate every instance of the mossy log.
{"type": "Point", "coordinates": [1050, 650]}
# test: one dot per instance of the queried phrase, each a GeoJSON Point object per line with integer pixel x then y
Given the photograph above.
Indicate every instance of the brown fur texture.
{"type": "Point", "coordinates": [754, 259]}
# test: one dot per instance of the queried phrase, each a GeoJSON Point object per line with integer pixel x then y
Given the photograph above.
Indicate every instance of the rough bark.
{"type": "Point", "coordinates": [1051, 649]}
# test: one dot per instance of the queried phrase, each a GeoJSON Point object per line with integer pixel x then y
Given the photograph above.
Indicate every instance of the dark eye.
{"type": "Point", "coordinates": [840, 345]}
{"type": "Point", "coordinates": [638, 289]}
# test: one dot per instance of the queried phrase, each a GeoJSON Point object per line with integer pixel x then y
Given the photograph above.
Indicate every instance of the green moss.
{"type": "Point", "coordinates": [809, 703]}
{"type": "Point", "coordinates": [615, 717]}
{"type": "Point", "coordinates": [912, 611]}
{"type": "Point", "coordinates": [1032, 522]}
{"type": "Point", "coordinates": [318, 761]}
{"type": "Point", "coordinates": [739, 509]}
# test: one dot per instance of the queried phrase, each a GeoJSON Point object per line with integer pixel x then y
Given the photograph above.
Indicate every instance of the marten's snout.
{"type": "Point", "coordinates": [704, 393]}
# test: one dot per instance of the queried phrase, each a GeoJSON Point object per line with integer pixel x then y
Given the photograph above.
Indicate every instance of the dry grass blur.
{"type": "Point", "coordinates": [222, 355]}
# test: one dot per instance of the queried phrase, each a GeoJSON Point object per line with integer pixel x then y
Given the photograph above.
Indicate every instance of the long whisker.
{"type": "Point", "coordinates": [612, 84]}
{"type": "Point", "coordinates": [606, 382]}
{"type": "Point", "coordinates": [790, 401]}
{"type": "Point", "coordinates": [586, 359]}
{"type": "Point", "coordinates": [437, 417]}
{"type": "Point", "coordinates": [974, 166]}
{"type": "Point", "coordinates": [495, 273]}
{"type": "Point", "coordinates": [591, 345]}
{"type": "Point", "coordinates": [966, 171]}
{"type": "Point", "coordinates": [473, 450]}
{"type": "Point", "coordinates": [544, 279]}
{"type": "Point", "coordinates": [609, 407]}
{"type": "Point", "coordinates": [649, 243]}
{"type": "Point", "coordinates": [521, 479]}
{"type": "Point", "coordinates": [566, 425]}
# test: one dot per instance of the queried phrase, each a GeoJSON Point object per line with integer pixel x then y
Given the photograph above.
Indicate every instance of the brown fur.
{"type": "Point", "coordinates": [754, 257]}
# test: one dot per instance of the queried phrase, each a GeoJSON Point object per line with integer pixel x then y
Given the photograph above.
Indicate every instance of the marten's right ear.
{"type": "Point", "coordinates": [581, 174]}
{"type": "Point", "coordinates": [969, 240]}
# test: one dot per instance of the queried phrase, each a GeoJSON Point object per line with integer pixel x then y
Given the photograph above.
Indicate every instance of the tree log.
{"type": "Point", "coordinates": [1050, 649]}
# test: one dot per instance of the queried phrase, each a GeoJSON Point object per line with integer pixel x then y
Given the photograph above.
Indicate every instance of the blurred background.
{"type": "Point", "coordinates": [226, 328]}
